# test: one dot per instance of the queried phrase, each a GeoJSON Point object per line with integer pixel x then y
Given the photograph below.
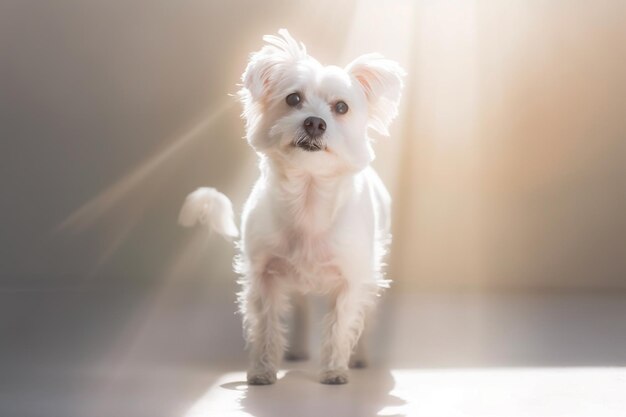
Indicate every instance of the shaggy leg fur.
{"type": "Point", "coordinates": [265, 306]}
{"type": "Point", "coordinates": [359, 356]}
{"type": "Point", "coordinates": [343, 328]}
{"type": "Point", "coordinates": [298, 348]}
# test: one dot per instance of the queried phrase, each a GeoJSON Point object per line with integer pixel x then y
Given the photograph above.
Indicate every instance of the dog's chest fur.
{"type": "Point", "coordinates": [307, 210]}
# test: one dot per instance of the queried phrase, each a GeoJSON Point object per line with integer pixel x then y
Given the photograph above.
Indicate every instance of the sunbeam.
{"type": "Point", "coordinates": [519, 392]}
{"type": "Point", "coordinates": [144, 325]}
{"type": "Point", "coordinates": [92, 210]}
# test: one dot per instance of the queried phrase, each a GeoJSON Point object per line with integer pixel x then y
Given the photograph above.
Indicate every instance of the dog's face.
{"type": "Point", "coordinates": [302, 114]}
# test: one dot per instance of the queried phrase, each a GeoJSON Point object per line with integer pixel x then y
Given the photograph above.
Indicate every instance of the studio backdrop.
{"type": "Point", "coordinates": [507, 164]}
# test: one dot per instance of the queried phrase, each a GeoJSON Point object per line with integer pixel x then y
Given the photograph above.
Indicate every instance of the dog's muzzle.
{"type": "Point", "coordinates": [311, 139]}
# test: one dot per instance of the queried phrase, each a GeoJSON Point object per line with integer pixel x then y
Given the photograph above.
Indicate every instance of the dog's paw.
{"type": "Point", "coordinates": [297, 355]}
{"type": "Point", "coordinates": [358, 363]}
{"type": "Point", "coordinates": [261, 377]}
{"type": "Point", "coordinates": [334, 377]}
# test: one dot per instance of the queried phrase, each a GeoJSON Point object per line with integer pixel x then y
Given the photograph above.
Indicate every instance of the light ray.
{"type": "Point", "coordinates": [520, 392]}
{"type": "Point", "coordinates": [119, 237]}
{"type": "Point", "coordinates": [95, 208]}
{"type": "Point", "coordinates": [141, 325]}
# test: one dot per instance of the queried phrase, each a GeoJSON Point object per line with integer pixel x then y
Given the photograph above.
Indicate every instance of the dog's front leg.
{"type": "Point", "coordinates": [343, 326]}
{"type": "Point", "coordinates": [266, 303]}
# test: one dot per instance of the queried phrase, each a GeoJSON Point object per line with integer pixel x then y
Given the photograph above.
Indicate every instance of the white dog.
{"type": "Point", "coordinates": [317, 219]}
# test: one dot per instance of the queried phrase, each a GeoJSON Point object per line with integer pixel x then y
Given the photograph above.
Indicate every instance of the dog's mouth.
{"type": "Point", "coordinates": [309, 143]}
{"type": "Point", "coordinates": [310, 147]}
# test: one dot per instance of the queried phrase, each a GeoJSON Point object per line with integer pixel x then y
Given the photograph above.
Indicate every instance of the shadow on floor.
{"type": "Point", "coordinates": [299, 393]}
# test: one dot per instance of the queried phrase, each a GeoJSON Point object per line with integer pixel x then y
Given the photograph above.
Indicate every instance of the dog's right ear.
{"type": "Point", "coordinates": [381, 81]}
{"type": "Point", "coordinates": [265, 66]}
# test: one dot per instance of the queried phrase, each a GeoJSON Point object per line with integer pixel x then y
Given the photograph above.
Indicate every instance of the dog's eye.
{"type": "Point", "coordinates": [341, 107]}
{"type": "Point", "coordinates": [293, 99]}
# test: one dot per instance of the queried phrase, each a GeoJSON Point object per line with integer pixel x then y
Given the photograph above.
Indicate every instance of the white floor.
{"type": "Point", "coordinates": [180, 354]}
{"type": "Point", "coordinates": [530, 392]}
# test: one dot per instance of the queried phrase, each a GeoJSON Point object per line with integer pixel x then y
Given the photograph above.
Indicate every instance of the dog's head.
{"type": "Point", "coordinates": [306, 115]}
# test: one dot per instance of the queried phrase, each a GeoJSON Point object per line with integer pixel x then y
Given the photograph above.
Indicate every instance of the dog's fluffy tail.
{"type": "Point", "coordinates": [207, 206]}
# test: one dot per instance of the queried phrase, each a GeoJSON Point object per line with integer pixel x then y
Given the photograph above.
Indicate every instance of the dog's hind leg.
{"type": "Point", "coordinates": [359, 357]}
{"type": "Point", "coordinates": [298, 345]}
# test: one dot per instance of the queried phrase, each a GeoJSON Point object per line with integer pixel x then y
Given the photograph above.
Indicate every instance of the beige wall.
{"type": "Point", "coordinates": [507, 163]}
{"type": "Point", "coordinates": [516, 173]}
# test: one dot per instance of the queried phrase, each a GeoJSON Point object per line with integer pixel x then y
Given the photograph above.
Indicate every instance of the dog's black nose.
{"type": "Point", "coordinates": [314, 126]}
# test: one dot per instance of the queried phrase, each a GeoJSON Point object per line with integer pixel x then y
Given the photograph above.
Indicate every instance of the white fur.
{"type": "Point", "coordinates": [209, 207]}
{"type": "Point", "coordinates": [315, 221]}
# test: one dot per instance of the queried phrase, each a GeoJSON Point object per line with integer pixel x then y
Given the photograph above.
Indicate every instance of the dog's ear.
{"type": "Point", "coordinates": [264, 67]}
{"type": "Point", "coordinates": [381, 81]}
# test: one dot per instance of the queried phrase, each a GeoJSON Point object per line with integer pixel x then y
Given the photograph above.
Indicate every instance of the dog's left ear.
{"type": "Point", "coordinates": [381, 81]}
{"type": "Point", "coordinates": [266, 66]}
